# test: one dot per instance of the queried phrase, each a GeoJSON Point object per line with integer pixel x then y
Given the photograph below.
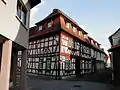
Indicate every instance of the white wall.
{"type": "Point", "coordinates": [10, 27]}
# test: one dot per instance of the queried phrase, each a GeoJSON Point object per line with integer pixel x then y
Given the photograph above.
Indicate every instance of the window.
{"type": "Point", "coordinates": [96, 44]}
{"type": "Point", "coordinates": [74, 29]}
{"type": "Point", "coordinates": [67, 25]}
{"type": "Point", "coordinates": [40, 27]}
{"type": "Point", "coordinates": [80, 33]}
{"type": "Point", "coordinates": [92, 42]}
{"type": "Point", "coordinates": [21, 12]}
{"type": "Point", "coordinates": [49, 24]}
{"type": "Point", "coordinates": [85, 36]}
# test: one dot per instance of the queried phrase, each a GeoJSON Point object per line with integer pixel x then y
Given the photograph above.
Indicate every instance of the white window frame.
{"type": "Point", "coordinates": [80, 33]}
{"type": "Point", "coordinates": [50, 24]}
{"type": "Point", "coordinates": [84, 36]}
{"type": "Point", "coordinates": [67, 24]}
{"type": "Point", "coordinates": [92, 42]}
{"type": "Point", "coordinates": [74, 28]}
{"type": "Point", "coordinates": [40, 27]}
{"type": "Point", "coordinates": [96, 44]}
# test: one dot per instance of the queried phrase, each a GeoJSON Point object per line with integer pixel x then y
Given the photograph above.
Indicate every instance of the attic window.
{"type": "Point", "coordinates": [50, 24]}
{"type": "Point", "coordinates": [96, 44]}
{"type": "Point", "coordinates": [92, 42]}
{"type": "Point", "coordinates": [40, 27]}
{"type": "Point", "coordinates": [80, 33]}
{"type": "Point", "coordinates": [85, 36]}
{"type": "Point", "coordinates": [67, 24]}
{"type": "Point", "coordinates": [74, 29]}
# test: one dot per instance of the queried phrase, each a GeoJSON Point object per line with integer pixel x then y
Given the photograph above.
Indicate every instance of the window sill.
{"type": "Point", "coordinates": [22, 23]}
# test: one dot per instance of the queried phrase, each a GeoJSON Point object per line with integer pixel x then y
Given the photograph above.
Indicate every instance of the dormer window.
{"type": "Point", "coordinates": [85, 36]}
{"type": "Point", "coordinates": [40, 27]}
{"type": "Point", "coordinates": [80, 33]}
{"type": "Point", "coordinates": [74, 29]}
{"type": "Point", "coordinates": [67, 24]}
{"type": "Point", "coordinates": [92, 42]}
{"type": "Point", "coordinates": [50, 24]}
{"type": "Point", "coordinates": [96, 44]}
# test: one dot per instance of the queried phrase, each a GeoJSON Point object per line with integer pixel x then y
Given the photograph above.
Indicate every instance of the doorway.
{"type": "Point", "coordinates": [13, 69]}
{"type": "Point", "coordinates": [77, 66]}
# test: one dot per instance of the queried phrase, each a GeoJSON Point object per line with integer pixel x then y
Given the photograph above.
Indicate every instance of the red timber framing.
{"type": "Point", "coordinates": [58, 51]}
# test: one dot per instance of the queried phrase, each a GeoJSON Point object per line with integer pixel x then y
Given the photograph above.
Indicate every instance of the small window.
{"type": "Point", "coordinates": [74, 29]}
{"type": "Point", "coordinates": [40, 27]}
{"type": "Point", "coordinates": [80, 33]}
{"type": "Point", "coordinates": [92, 42]}
{"type": "Point", "coordinates": [49, 24]}
{"type": "Point", "coordinates": [85, 36]}
{"type": "Point", "coordinates": [96, 44]}
{"type": "Point", "coordinates": [21, 12]}
{"type": "Point", "coordinates": [67, 24]}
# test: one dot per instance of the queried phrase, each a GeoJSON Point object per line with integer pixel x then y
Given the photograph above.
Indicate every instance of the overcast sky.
{"type": "Point", "coordinates": [100, 18]}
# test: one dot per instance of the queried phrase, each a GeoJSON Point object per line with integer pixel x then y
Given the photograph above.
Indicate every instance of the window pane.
{"type": "Point", "coordinates": [18, 9]}
{"type": "Point", "coordinates": [67, 25]}
{"type": "Point", "coordinates": [49, 24]}
{"type": "Point", "coordinates": [40, 27]}
{"type": "Point", "coordinates": [74, 29]}
{"type": "Point", "coordinates": [21, 12]}
{"type": "Point", "coordinates": [23, 16]}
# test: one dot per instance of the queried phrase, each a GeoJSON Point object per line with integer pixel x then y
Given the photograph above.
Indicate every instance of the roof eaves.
{"type": "Point", "coordinates": [34, 3]}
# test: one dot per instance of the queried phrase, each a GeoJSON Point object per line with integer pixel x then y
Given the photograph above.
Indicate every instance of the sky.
{"type": "Point", "coordinates": [100, 18]}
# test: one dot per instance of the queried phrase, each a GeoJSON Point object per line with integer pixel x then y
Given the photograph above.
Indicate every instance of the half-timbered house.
{"type": "Point", "coordinates": [59, 47]}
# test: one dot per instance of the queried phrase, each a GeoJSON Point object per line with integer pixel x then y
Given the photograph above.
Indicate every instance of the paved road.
{"type": "Point", "coordinates": [97, 81]}
{"type": "Point", "coordinates": [101, 76]}
{"type": "Point", "coordinates": [36, 83]}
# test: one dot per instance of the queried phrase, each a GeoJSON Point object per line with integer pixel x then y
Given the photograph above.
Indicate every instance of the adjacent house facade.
{"type": "Point", "coordinates": [115, 56]}
{"type": "Point", "coordinates": [14, 33]}
{"type": "Point", "coordinates": [59, 47]}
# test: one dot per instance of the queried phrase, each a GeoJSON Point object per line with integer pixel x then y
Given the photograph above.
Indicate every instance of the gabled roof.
{"type": "Point", "coordinates": [110, 37]}
{"type": "Point", "coordinates": [114, 33]}
{"type": "Point", "coordinates": [59, 12]}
